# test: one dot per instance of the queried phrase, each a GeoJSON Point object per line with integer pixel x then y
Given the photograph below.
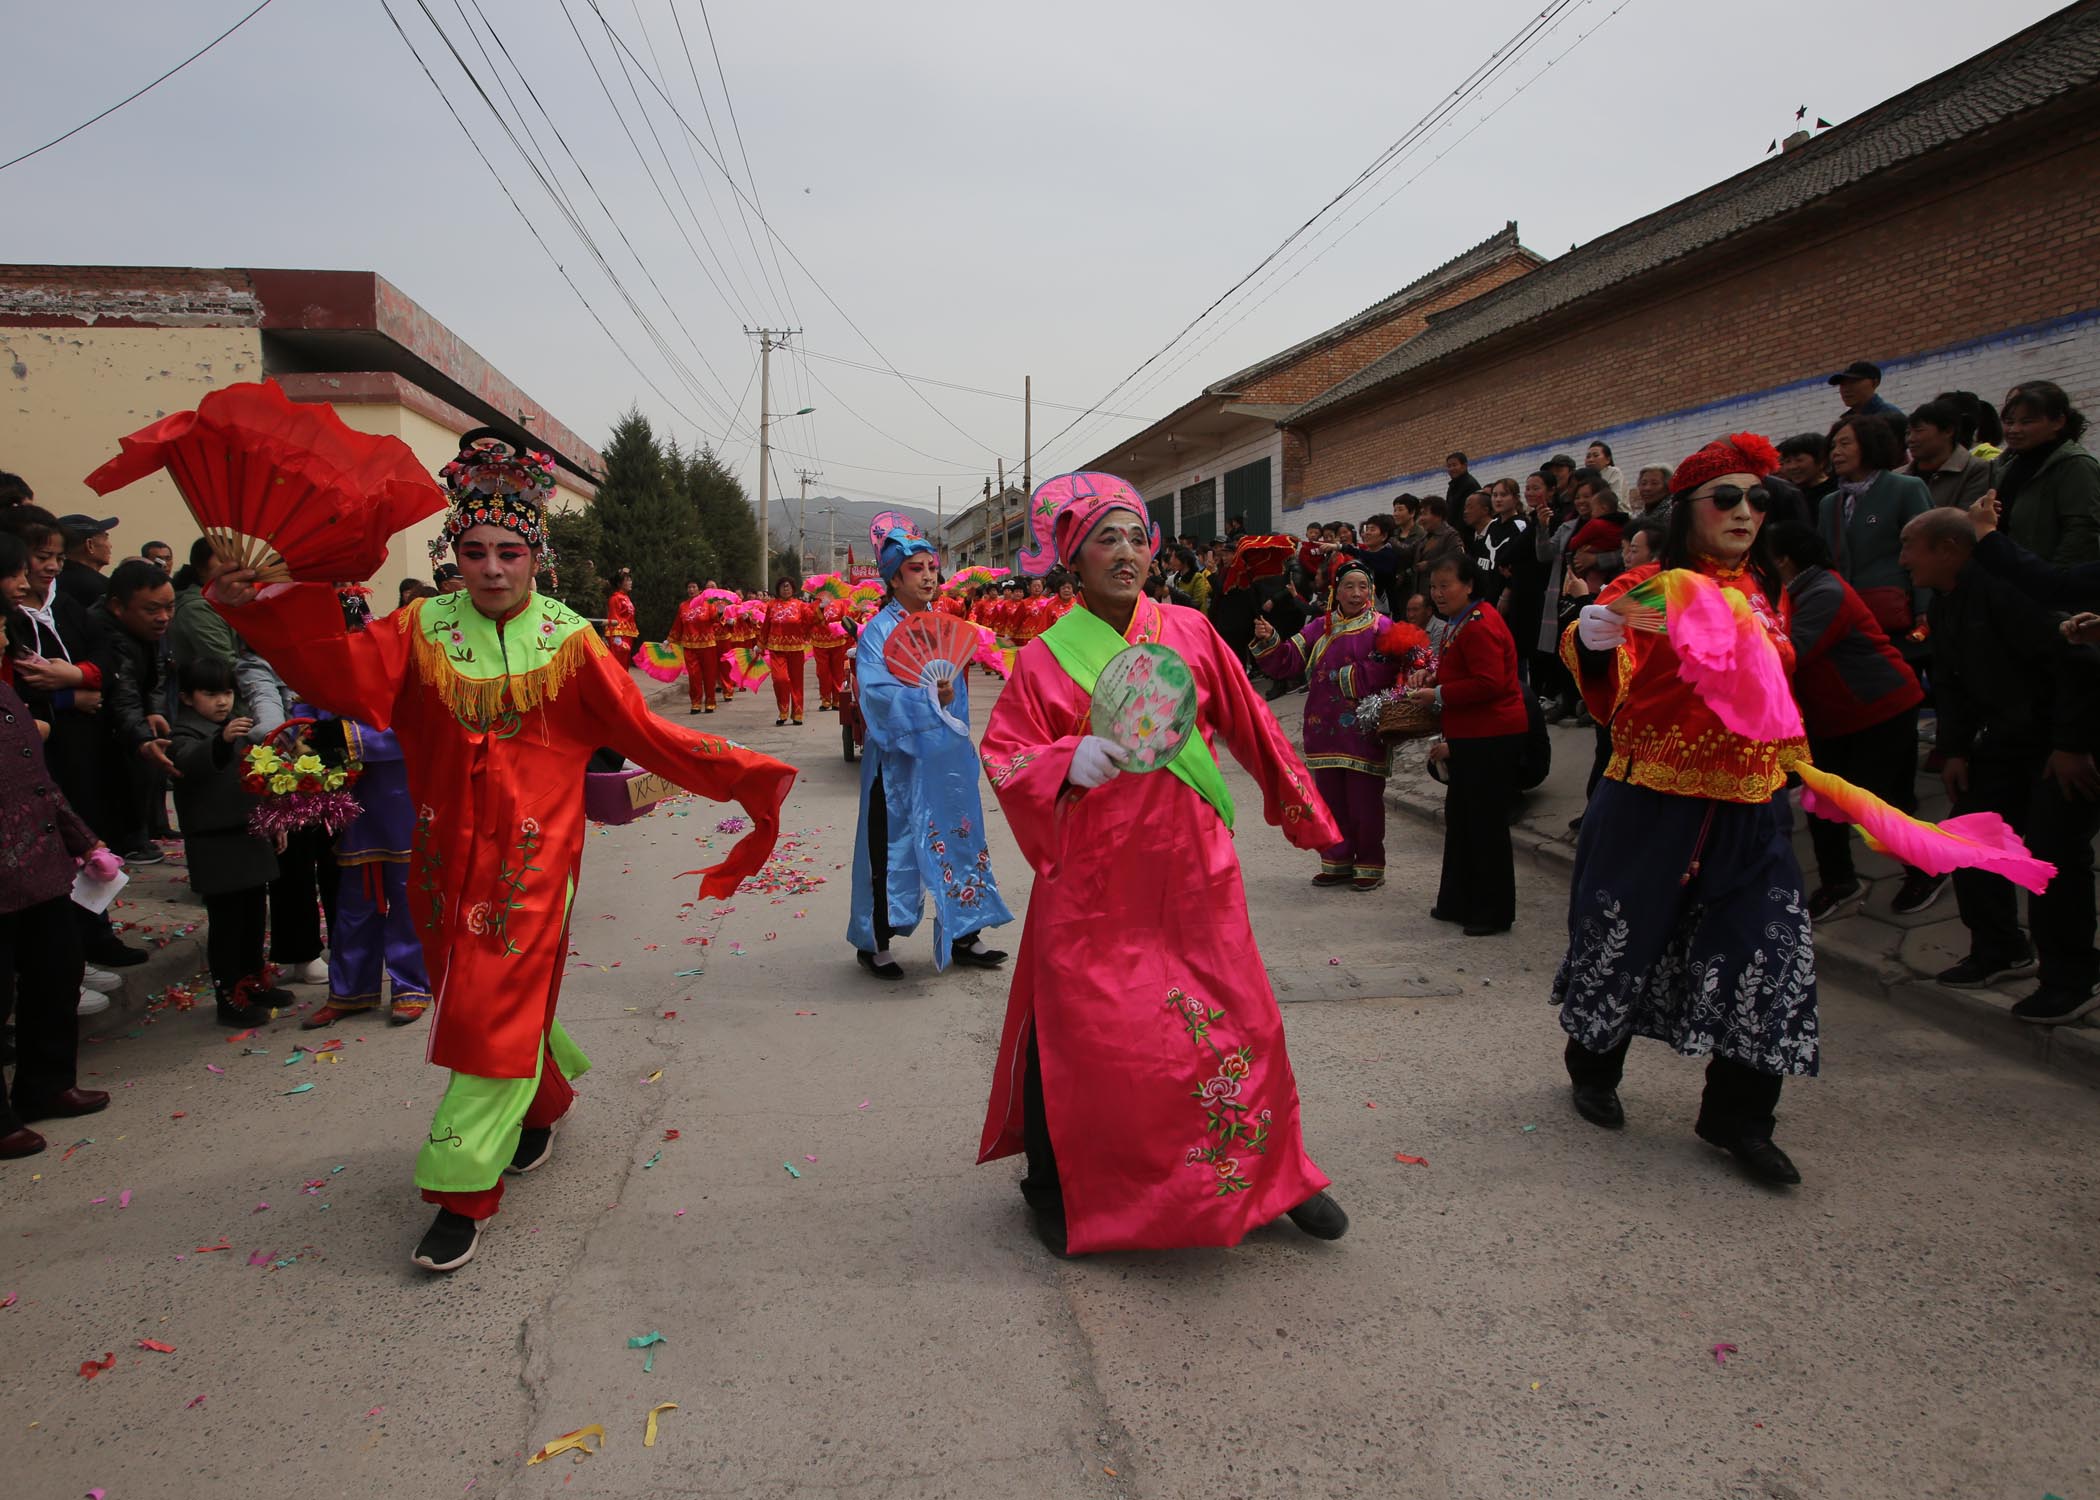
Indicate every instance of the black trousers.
{"type": "Point", "coordinates": [305, 886]}
{"type": "Point", "coordinates": [1479, 885]}
{"type": "Point", "coordinates": [879, 863]}
{"type": "Point", "coordinates": [1883, 758]}
{"type": "Point", "coordinates": [1739, 1101]}
{"type": "Point", "coordinates": [1040, 1187]}
{"type": "Point", "coordinates": [2057, 828]}
{"type": "Point", "coordinates": [233, 939]}
{"type": "Point", "coordinates": [40, 950]}
{"type": "Point", "coordinates": [1598, 760]}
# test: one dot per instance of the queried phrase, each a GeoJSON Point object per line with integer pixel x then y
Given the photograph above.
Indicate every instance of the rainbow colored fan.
{"type": "Point", "coordinates": [748, 669]}
{"type": "Point", "coordinates": [666, 663]}
{"type": "Point", "coordinates": [1145, 701]}
{"type": "Point", "coordinates": [927, 649]}
{"type": "Point", "coordinates": [285, 488]}
{"type": "Point", "coordinates": [828, 586]}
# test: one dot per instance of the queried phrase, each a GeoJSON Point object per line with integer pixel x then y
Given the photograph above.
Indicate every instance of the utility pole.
{"type": "Point", "coordinates": [769, 339]}
{"type": "Point", "coordinates": [1002, 505]}
{"type": "Point", "coordinates": [801, 509]}
{"type": "Point", "coordinates": [1028, 434]}
{"type": "Point", "coordinates": [831, 541]}
{"type": "Point", "coordinates": [940, 538]}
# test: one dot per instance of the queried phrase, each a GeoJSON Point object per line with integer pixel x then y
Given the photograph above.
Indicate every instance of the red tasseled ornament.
{"type": "Point", "coordinates": [1401, 639]}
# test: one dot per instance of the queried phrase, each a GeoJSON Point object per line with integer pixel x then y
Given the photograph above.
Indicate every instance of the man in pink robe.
{"type": "Point", "coordinates": [1142, 1066]}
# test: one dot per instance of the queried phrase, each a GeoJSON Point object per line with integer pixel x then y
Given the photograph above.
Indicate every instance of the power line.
{"type": "Point", "coordinates": [1471, 84]}
{"type": "Point", "coordinates": [139, 93]}
{"type": "Point", "coordinates": [533, 229]}
{"type": "Point", "coordinates": [974, 390]}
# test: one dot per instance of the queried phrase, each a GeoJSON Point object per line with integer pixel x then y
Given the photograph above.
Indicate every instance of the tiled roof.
{"type": "Point", "coordinates": [1489, 251]}
{"type": "Point", "coordinates": [2046, 61]}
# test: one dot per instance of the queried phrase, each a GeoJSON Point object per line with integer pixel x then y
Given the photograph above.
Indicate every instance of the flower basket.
{"type": "Point", "coordinates": [1398, 717]}
{"type": "Point", "coordinates": [297, 788]}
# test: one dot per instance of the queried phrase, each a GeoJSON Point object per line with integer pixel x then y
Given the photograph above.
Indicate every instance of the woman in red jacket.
{"type": "Point", "coordinates": [1476, 686]}
{"type": "Point", "coordinates": [1859, 701]}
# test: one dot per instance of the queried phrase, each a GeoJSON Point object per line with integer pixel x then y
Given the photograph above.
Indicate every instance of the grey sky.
{"type": "Point", "coordinates": [988, 190]}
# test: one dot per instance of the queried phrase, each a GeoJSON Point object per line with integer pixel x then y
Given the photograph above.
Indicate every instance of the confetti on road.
{"type": "Point", "coordinates": [578, 1441]}
{"type": "Point", "coordinates": [649, 1432]}
{"type": "Point", "coordinates": [1721, 1353]}
{"type": "Point", "coordinates": [89, 1369]}
{"type": "Point", "coordinates": [652, 1161]}
{"type": "Point", "coordinates": [156, 1346]}
{"type": "Point", "coordinates": [789, 1168]}
{"type": "Point", "coordinates": [194, 1404]}
{"type": "Point", "coordinates": [1413, 1161]}
{"type": "Point", "coordinates": [647, 1341]}
{"type": "Point", "coordinates": [299, 1088]}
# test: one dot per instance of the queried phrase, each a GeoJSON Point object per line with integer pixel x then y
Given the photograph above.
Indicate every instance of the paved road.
{"type": "Point", "coordinates": [1531, 1314]}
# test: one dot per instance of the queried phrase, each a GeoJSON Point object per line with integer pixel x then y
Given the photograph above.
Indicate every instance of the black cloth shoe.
{"type": "Point", "coordinates": [108, 953]}
{"type": "Point", "coordinates": [963, 953]}
{"type": "Point", "coordinates": [890, 970]}
{"type": "Point", "coordinates": [1829, 902]}
{"type": "Point", "coordinates": [1438, 914]}
{"type": "Point", "coordinates": [1973, 973]}
{"type": "Point", "coordinates": [449, 1242]}
{"type": "Point", "coordinates": [535, 1146]}
{"type": "Point", "coordinates": [2052, 1005]}
{"type": "Point", "coordinates": [274, 998]}
{"type": "Point", "coordinates": [1333, 877]}
{"type": "Point", "coordinates": [1917, 892]}
{"type": "Point", "coordinates": [1759, 1158]}
{"type": "Point", "coordinates": [238, 1013]}
{"type": "Point", "coordinates": [1050, 1229]}
{"type": "Point", "coordinates": [1600, 1106]}
{"type": "Point", "coordinates": [1321, 1217]}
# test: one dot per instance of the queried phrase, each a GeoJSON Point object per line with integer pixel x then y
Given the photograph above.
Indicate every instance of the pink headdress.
{"type": "Point", "coordinates": [1064, 510]}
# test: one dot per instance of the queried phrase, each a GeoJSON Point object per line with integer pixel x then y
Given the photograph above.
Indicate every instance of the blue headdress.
{"type": "Point", "coordinates": [895, 539]}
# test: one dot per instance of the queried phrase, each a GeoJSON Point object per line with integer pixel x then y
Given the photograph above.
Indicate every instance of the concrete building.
{"type": "Point", "coordinates": [91, 353]}
{"type": "Point", "coordinates": [1222, 455]}
{"type": "Point", "coordinates": [1951, 235]}
{"type": "Point", "coordinates": [989, 530]}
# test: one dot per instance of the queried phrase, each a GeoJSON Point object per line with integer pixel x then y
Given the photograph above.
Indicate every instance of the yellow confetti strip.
{"type": "Point", "coordinates": [578, 1441]}
{"type": "Point", "coordinates": [649, 1436]}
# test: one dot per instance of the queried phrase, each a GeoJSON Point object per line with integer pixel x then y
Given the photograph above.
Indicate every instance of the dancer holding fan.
{"type": "Point", "coordinates": [621, 632]}
{"type": "Point", "coordinates": [783, 640]}
{"type": "Point", "coordinates": [498, 697]}
{"type": "Point", "coordinates": [1142, 1067]}
{"type": "Point", "coordinates": [921, 828]}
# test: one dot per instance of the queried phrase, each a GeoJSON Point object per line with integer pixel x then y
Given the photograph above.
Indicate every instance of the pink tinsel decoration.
{"type": "Point", "coordinates": [293, 811]}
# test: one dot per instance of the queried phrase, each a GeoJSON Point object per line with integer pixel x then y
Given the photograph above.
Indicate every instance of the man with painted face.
{"type": "Point", "coordinates": [921, 829]}
{"type": "Point", "coordinates": [1142, 1067]}
{"type": "Point", "coordinates": [1686, 920]}
{"type": "Point", "coordinates": [497, 696]}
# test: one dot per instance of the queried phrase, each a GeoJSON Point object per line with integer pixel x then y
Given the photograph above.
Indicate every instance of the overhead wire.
{"type": "Point", "coordinates": [138, 93]}
{"type": "Point", "coordinates": [1480, 75]}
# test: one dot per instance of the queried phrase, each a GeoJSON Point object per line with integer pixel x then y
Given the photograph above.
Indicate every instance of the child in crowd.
{"type": "Point", "coordinates": [229, 866]}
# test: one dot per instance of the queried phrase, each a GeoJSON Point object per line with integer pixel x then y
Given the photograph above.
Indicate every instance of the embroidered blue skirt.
{"type": "Point", "coordinates": [1686, 923]}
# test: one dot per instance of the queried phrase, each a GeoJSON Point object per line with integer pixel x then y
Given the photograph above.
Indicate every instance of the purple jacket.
{"type": "Point", "coordinates": [42, 840]}
{"type": "Point", "coordinates": [1342, 663]}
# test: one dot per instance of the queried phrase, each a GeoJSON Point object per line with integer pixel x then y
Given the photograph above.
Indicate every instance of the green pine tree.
{"type": "Point", "coordinates": [646, 524]}
{"type": "Point", "coordinates": [717, 499]}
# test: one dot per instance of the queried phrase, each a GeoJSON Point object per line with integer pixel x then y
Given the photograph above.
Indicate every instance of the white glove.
{"type": "Point", "coordinates": [1095, 761]}
{"type": "Point", "coordinates": [1599, 629]}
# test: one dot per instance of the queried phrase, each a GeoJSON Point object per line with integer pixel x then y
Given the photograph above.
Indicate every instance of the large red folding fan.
{"type": "Point", "coordinates": [282, 487]}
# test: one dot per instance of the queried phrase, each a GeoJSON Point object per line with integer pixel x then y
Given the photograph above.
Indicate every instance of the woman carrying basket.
{"type": "Point", "coordinates": [1349, 759]}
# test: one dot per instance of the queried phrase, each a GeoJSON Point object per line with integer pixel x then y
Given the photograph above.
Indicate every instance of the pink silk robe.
{"type": "Point", "coordinates": [1169, 1096]}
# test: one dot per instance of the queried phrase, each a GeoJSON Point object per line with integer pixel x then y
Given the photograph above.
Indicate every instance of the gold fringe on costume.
{"type": "Point", "coordinates": [482, 700]}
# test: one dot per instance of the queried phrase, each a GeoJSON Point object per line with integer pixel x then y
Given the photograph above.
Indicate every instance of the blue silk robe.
{"type": "Point", "coordinates": [936, 816]}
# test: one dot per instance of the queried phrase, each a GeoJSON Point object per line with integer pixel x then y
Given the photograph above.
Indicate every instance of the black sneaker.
{"type": "Point", "coordinates": [238, 1015]}
{"type": "Point", "coordinates": [1321, 1217]}
{"type": "Point", "coordinates": [1917, 892]}
{"type": "Point", "coordinates": [1599, 1105]}
{"type": "Point", "coordinates": [1829, 902]}
{"type": "Point", "coordinates": [1974, 973]}
{"type": "Point", "coordinates": [146, 855]}
{"type": "Point", "coordinates": [112, 954]}
{"type": "Point", "coordinates": [1760, 1160]}
{"type": "Point", "coordinates": [449, 1242]}
{"type": "Point", "coordinates": [2054, 1005]}
{"type": "Point", "coordinates": [535, 1146]}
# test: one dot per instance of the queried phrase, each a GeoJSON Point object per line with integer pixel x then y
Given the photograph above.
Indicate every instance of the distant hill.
{"type": "Point", "coordinates": [852, 520]}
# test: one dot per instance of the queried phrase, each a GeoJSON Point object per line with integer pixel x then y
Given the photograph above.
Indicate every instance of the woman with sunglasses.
{"type": "Point", "coordinates": [1685, 919]}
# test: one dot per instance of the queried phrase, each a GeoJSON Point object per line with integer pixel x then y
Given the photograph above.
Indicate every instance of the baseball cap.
{"type": "Point", "coordinates": [1859, 369]}
{"type": "Point", "coordinates": [86, 526]}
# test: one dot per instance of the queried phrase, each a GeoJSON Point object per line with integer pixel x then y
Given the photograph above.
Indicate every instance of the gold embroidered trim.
{"type": "Point", "coordinates": [482, 700]}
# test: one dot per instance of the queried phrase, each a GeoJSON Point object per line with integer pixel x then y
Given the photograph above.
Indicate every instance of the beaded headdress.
{"type": "Point", "coordinates": [496, 482]}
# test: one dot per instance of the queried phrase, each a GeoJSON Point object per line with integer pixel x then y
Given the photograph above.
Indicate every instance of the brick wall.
{"type": "Point", "coordinates": [1973, 284]}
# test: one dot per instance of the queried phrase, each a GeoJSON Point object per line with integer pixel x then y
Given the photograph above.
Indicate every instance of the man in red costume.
{"type": "Point", "coordinates": [1142, 1067]}
{"type": "Point", "coordinates": [498, 696]}
{"type": "Point", "coordinates": [1686, 920]}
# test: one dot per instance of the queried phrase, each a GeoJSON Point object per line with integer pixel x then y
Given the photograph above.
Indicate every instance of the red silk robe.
{"type": "Point", "coordinates": [496, 775]}
{"type": "Point", "coordinates": [1140, 977]}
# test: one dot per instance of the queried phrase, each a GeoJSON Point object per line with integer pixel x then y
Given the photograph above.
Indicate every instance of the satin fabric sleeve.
{"type": "Point", "coordinates": [371, 745]}
{"type": "Point", "coordinates": [706, 764]}
{"type": "Point", "coordinates": [1373, 672]}
{"type": "Point", "coordinates": [1242, 719]}
{"type": "Point", "coordinates": [298, 629]}
{"type": "Point", "coordinates": [1027, 751]}
{"type": "Point", "coordinates": [1286, 658]}
{"type": "Point", "coordinates": [901, 719]}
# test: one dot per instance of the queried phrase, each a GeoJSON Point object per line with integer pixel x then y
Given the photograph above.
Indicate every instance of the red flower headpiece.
{"type": "Point", "coordinates": [1738, 453]}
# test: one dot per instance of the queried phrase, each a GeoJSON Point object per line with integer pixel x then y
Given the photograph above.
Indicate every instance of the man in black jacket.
{"type": "Point", "coordinates": [126, 630]}
{"type": "Point", "coordinates": [2019, 720]}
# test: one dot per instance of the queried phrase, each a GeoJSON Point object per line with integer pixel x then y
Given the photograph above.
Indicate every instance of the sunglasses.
{"type": "Point", "coordinates": [1729, 496]}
